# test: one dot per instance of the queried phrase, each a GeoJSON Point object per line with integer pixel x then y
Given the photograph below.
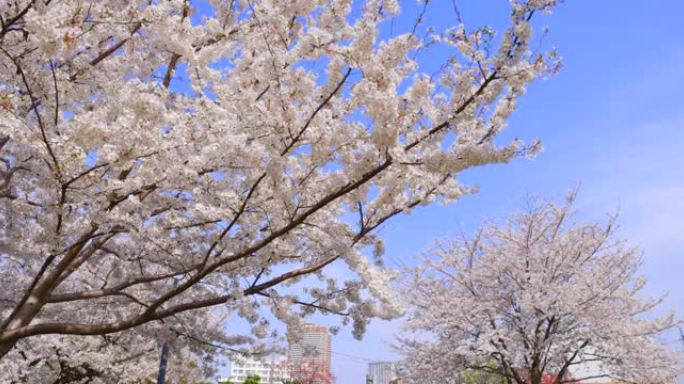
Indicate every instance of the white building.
{"type": "Point", "coordinates": [382, 372]}
{"type": "Point", "coordinates": [271, 369]}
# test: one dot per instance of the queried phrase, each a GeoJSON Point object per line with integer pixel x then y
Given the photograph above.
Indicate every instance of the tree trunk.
{"type": "Point", "coordinates": [535, 376]}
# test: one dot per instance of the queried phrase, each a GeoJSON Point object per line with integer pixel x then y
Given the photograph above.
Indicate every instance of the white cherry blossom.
{"type": "Point", "coordinates": [539, 296]}
{"type": "Point", "coordinates": [155, 168]}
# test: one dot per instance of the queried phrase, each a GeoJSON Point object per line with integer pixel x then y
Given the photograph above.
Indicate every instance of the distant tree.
{"type": "Point", "coordinates": [479, 376]}
{"type": "Point", "coordinates": [552, 379]}
{"type": "Point", "coordinates": [125, 357]}
{"type": "Point", "coordinates": [536, 296]}
{"type": "Point", "coordinates": [310, 372]}
{"type": "Point", "coordinates": [252, 379]}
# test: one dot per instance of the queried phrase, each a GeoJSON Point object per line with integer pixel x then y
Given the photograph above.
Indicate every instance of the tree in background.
{"type": "Point", "coordinates": [125, 356]}
{"type": "Point", "coordinates": [310, 372]}
{"type": "Point", "coordinates": [480, 376]}
{"type": "Point", "coordinates": [252, 379]}
{"type": "Point", "coordinates": [538, 295]}
{"type": "Point", "coordinates": [130, 198]}
{"type": "Point", "coordinates": [552, 379]}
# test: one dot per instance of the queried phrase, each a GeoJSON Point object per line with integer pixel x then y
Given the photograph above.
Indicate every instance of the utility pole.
{"type": "Point", "coordinates": [164, 358]}
{"type": "Point", "coordinates": [163, 362]}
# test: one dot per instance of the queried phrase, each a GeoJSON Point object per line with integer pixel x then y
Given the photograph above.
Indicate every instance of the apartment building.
{"type": "Point", "coordinates": [383, 372]}
{"type": "Point", "coordinates": [271, 369]}
{"type": "Point", "coordinates": [312, 352]}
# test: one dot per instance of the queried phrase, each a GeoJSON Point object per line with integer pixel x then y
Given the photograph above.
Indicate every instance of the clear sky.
{"type": "Point", "coordinates": [612, 121]}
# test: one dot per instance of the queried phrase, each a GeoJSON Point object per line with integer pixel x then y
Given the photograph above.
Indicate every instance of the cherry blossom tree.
{"type": "Point", "coordinates": [310, 372]}
{"type": "Point", "coordinates": [480, 376]}
{"type": "Point", "coordinates": [130, 357]}
{"type": "Point", "coordinates": [130, 196]}
{"type": "Point", "coordinates": [551, 379]}
{"type": "Point", "coordinates": [119, 358]}
{"type": "Point", "coordinates": [536, 297]}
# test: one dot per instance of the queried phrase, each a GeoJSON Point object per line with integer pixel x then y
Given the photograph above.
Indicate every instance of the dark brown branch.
{"type": "Point", "coordinates": [313, 304]}
{"type": "Point", "coordinates": [34, 101]}
{"type": "Point", "coordinates": [108, 52]}
{"type": "Point", "coordinates": [175, 57]}
{"type": "Point", "coordinates": [568, 362]}
{"type": "Point", "coordinates": [4, 140]}
{"type": "Point", "coordinates": [6, 26]}
{"type": "Point", "coordinates": [34, 288]}
{"type": "Point", "coordinates": [325, 102]}
{"type": "Point", "coordinates": [54, 81]}
{"type": "Point", "coordinates": [171, 68]}
{"type": "Point", "coordinates": [152, 313]}
{"type": "Point", "coordinates": [84, 295]}
{"type": "Point", "coordinates": [461, 108]}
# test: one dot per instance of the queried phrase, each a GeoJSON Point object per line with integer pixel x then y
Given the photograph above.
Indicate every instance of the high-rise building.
{"type": "Point", "coordinates": [271, 370]}
{"type": "Point", "coordinates": [383, 372]}
{"type": "Point", "coordinates": [312, 352]}
{"type": "Point", "coordinates": [313, 347]}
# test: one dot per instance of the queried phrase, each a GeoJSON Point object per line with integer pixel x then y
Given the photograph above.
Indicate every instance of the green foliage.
{"type": "Point", "coordinates": [253, 379]}
{"type": "Point", "coordinates": [477, 377]}
{"type": "Point", "coordinates": [472, 376]}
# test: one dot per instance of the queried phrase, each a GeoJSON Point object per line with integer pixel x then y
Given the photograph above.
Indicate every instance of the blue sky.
{"type": "Point", "coordinates": [611, 121]}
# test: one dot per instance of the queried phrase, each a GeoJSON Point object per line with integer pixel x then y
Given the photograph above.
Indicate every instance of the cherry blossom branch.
{"type": "Point", "coordinates": [7, 24]}
{"type": "Point", "coordinates": [34, 101]}
{"type": "Point", "coordinates": [175, 57]}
